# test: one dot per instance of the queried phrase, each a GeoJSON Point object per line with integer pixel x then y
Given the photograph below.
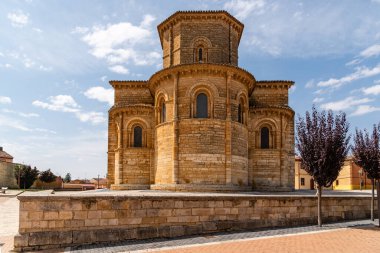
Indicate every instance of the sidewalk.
{"type": "Point", "coordinates": [346, 235]}
{"type": "Point", "coordinates": [9, 216]}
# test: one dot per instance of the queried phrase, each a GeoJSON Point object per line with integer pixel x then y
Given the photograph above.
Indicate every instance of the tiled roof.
{"type": "Point", "coordinates": [4, 154]}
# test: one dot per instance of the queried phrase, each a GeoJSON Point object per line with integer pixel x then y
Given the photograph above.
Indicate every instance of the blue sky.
{"type": "Point", "coordinates": [56, 58]}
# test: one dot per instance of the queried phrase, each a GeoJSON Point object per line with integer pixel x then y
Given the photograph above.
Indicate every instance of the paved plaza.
{"type": "Point", "coordinates": [353, 236]}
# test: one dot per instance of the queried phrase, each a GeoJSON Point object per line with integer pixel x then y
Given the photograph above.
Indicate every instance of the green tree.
{"type": "Point", "coordinates": [67, 178]}
{"type": "Point", "coordinates": [25, 175]}
{"type": "Point", "coordinates": [47, 176]}
{"type": "Point", "coordinates": [323, 144]}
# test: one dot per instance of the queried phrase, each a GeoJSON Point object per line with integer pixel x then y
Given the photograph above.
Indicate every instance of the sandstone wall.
{"type": "Point", "coordinates": [164, 153]}
{"type": "Point", "coordinates": [58, 221]}
{"type": "Point", "coordinates": [7, 178]}
{"type": "Point", "coordinates": [220, 41]}
{"type": "Point", "coordinates": [202, 151]}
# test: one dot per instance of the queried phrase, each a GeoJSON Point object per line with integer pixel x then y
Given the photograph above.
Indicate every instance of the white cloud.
{"type": "Point", "coordinates": [101, 94]}
{"type": "Point", "coordinates": [147, 21]}
{"type": "Point", "coordinates": [63, 103]}
{"type": "Point", "coordinates": [122, 43]}
{"type": "Point", "coordinates": [38, 30]}
{"type": "Point", "coordinates": [243, 8]}
{"type": "Point", "coordinates": [364, 109]}
{"type": "Point", "coordinates": [5, 100]}
{"type": "Point", "coordinates": [119, 69]}
{"type": "Point", "coordinates": [44, 68]}
{"type": "Point", "coordinates": [104, 39]}
{"type": "Point", "coordinates": [18, 18]}
{"type": "Point", "coordinates": [292, 89]}
{"type": "Point", "coordinates": [353, 62]}
{"type": "Point", "coordinates": [103, 78]}
{"type": "Point", "coordinates": [93, 117]}
{"type": "Point", "coordinates": [28, 63]}
{"type": "Point", "coordinates": [318, 100]}
{"type": "Point", "coordinates": [344, 104]}
{"type": "Point", "coordinates": [372, 90]}
{"type": "Point", "coordinates": [80, 30]}
{"type": "Point", "coordinates": [360, 73]}
{"type": "Point", "coordinates": [25, 115]}
{"type": "Point", "coordinates": [310, 83]}
{"type": "Point", "coordinates": [371, 51]}
{"type": "Point", "coordinates": [66, 103]}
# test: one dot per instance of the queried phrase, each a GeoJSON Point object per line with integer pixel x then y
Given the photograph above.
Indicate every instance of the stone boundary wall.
{"type": "Point", "coordinates": [53, 221]}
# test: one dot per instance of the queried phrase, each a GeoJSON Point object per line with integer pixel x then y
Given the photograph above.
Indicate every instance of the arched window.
{"type": "Point", "coordinates": [202, 106]}
{"type": "Point", "coordinates": [137, 137]}
{"type": "Point", "coordinates": [264, 137]}
{"type": "Point", "coordinates": [200, 55]}
{"type": "Point", "coordinates": [163, 112]}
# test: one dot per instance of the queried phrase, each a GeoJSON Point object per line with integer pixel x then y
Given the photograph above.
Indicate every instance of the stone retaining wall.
{"type": "Point", "coordinates": [52, 221]}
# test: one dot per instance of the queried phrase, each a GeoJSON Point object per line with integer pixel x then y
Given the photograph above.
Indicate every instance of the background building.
{"type": "Point", "coordinates": [351, 177]}
{"type": "Point", "coordinates": [7, 178]}
{"type": "Point", "coordinates": [201, 123]}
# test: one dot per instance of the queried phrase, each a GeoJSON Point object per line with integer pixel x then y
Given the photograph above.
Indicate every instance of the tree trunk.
{"type": "Point", "coordinates": [378, 200]}
{"type": "Point", "coordinates": [319, 193]}
{"type": "Point", "coordinates": [373, 200]}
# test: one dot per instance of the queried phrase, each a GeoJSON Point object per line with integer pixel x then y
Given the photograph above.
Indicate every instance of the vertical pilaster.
{"type": "Point", "coordinates": [171, 49]}
{"type": "Point", "coordinates": [175, 129]}
{"type": "Point", "coordinates": [228, 148]}
{"type": "Point", "coordinates": [121, 148]}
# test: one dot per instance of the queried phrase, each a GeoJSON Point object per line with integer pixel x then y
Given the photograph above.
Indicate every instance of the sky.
{"type": "Point", "coordinates": [57, 57]}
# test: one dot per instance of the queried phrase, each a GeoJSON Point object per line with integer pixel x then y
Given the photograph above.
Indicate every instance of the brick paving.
{"type": "Point", "coordinates": [352, 240]}
{"type": "Point", "coordinates": [248, 241]}
{"type": "Point", "coordinates": [9, 207]}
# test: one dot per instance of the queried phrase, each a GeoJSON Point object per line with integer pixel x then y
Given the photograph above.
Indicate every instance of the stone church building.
{"type": "Point", "coordinates": [201, 123]}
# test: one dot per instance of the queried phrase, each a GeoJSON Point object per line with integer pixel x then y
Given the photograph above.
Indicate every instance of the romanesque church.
{"type": "Point", "coordinates": [201, 123]}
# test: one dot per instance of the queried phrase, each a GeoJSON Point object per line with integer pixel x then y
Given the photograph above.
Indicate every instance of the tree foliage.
{"type": "Point", "coordinates": [366, 151]}
{"type": "Point", "coordinates": [366, 154]}
{"type": "Point", "coordinates": [26, 174]}
{"type": "Point", "coordinates": [322, 143]}
{"type": "Point", "coordinates": [67, 178]}
{"type": "Point", "coordinates": [47, 176]}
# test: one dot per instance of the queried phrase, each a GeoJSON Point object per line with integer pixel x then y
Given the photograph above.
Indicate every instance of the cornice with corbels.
{"type": "Point", "coordinates": [274, 84]}
{"type": "Point", "coordinates": [128, 84]}
{"type": "Point", "coordinates": [200, 15]}
{"type": "Point", "coordinates": [224, 70]}
{"type": "Point", "coordinates": [272, 110]}
{"type": "Point", "coordinates": [137, 109]}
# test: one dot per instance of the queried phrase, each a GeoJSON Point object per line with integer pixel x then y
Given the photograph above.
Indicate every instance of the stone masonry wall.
{"type": "Point", "coordinates": [50, 221]}
{"type": "Point", "coordinates": [7, 178]}
{"type": "Point", "coordinates": [137, 165]}
{"type": "Point", "coordinates": [164, 153]}
{"type": "Point", "coordinates": [270, 96]}
{"type": "Point", "coordinates": [133, 95]}
{"type": "Point", "coordinates": [202, 151]}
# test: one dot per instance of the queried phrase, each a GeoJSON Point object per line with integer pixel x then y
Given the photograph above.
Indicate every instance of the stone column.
{"type": "Point", "coordinates": [228, 148]}
{"type": "Point", "coordinates": [176, 129]}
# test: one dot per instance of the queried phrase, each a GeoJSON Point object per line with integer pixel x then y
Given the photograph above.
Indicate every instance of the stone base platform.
{"type": "Point", "coordinates": [68, 219]}
{"type": "Point", "coordinates": [130, 187]}
{"type": "Point", "coordinates": [200, 188]}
